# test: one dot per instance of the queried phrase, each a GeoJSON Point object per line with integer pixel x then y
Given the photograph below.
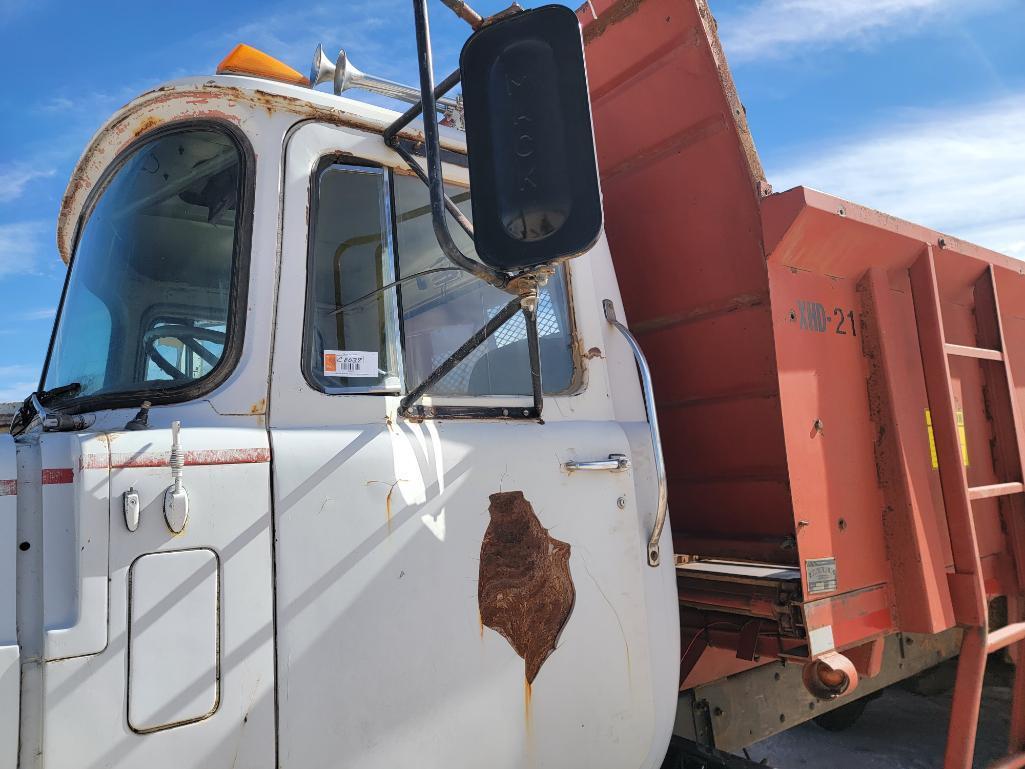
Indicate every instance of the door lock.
{"type": "Point", "coordinates": [131, 505]}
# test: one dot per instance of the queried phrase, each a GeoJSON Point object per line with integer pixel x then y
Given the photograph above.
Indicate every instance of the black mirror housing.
{"type": "Point", "coordinates": [530, 142]}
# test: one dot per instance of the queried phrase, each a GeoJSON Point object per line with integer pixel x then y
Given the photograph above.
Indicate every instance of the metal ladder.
{"type": "Point", "coordinates": [967, 589]}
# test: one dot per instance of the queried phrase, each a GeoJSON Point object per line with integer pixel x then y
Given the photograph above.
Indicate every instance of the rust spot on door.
{"type": "Point", "coordinates": [525, 591]}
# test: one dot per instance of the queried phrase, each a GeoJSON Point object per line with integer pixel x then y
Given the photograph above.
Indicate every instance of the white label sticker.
{"type": "Point", "coordinates": [354, 363]}
{"type": "Point", "coordinates": [820, 640]}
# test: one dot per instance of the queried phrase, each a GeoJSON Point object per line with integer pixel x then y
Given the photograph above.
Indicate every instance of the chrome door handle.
{"type": "Point", "coordinates": [615, 463]}
{"type": "Point", "coordinates": [654, 557]}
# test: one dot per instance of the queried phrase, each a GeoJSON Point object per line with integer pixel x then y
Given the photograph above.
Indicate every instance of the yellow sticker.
{"type": "Point", "coordinates": [962, 438]}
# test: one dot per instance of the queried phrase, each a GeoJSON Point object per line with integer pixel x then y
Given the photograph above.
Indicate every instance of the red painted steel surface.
{"type": "Point", "coordinates": [682, 219]}
{"type": "Point", "coordinates": [58, 476]}
{"type": "Point", "coordinates": [790, 364]}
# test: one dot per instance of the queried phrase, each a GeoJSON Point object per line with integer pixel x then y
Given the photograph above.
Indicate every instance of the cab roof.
{"type": "Point", "coordinates": [251, 103]}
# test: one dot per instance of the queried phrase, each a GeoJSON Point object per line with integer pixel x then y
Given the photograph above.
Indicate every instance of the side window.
{"type": "Point", "coordinates": [371, 229]}
{"type": "Point", "coordinates": [442, 310]}
{"type": "Point", "coordinates": [351, 331]}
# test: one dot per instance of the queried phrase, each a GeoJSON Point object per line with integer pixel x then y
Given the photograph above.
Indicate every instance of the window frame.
{"type": "Point", "coordinates": [393, 310]}
{"type": "Point", "coordinates": [397, 341]}
{"type": "Point", "coordinates": [238, 293]}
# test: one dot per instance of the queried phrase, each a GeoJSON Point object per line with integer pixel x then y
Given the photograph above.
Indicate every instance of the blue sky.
{"type": "Point", "coordinates": [916, 107]}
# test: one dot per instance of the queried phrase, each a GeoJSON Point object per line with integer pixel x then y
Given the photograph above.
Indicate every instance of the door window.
{"type": "Point", "coordinates": [351, 327]}
{"type": "Point", "coordinates": [373, 229]}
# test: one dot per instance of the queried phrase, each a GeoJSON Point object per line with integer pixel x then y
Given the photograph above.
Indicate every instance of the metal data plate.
{"type": "Point", "coordinates": [821, 575]}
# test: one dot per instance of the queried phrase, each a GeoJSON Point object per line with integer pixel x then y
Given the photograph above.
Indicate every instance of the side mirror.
{"type": "Point", "coordinates": [530, 142]}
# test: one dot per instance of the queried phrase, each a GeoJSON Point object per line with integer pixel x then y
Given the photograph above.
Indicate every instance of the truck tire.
{"type": "Point", "coordinates": [935, 680]}
{"type": "Point", "coordinates": [684, 754]}
{"type": "Point", "coordinates": [844, 717]}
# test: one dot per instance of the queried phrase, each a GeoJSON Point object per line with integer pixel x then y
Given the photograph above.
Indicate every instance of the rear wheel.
{"type": "Point", "coordinates": [684, 754]}
{"type": "Point", "coordinates": [935, 680]}
{"type": "Point", "coordinates": [844, 717]}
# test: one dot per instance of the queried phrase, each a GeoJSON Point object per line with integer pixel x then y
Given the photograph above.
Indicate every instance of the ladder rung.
{"type": "Point", "coordinates": [1005, 636]}
{"type": "Point", "coordinates": [995, 490]}
{"type": "Point", "coordinates": [973, 352]}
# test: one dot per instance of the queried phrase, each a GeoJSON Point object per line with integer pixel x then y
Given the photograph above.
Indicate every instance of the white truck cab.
{"type": "Point", "coordinates": [231, 546]}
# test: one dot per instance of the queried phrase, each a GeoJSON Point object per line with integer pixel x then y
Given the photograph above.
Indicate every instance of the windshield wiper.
{"type": "Point", "coordinates": [69, 389]}
{"type": "Point", "coordinates": [52, 421]}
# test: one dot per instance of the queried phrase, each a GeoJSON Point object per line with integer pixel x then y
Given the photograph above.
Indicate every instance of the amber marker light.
{"type": "Point", "coordinates": [246, 60]}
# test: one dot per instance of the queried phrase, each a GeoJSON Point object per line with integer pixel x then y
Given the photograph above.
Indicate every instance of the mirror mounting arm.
{"type": "Point", "coordinates": [450, 205]}
{"type": "Point", "coordinates": [526, 303]}
{"type": "Point", "coordinates": [465, 12]}
{"type": "Point", "coordinates": [480, 337]}
{"type": "Point", "coordinates": [435, 182]}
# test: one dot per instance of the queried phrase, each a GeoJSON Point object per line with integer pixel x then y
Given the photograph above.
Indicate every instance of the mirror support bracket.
{"type": "Point", "coordinates": [440, 202]}
{"type": "Point", "coordinates": [527, 304]}
{"type": "Point", "coordinates": [465, 12]}
{"type": "Point", "coordinates": [523, 286]}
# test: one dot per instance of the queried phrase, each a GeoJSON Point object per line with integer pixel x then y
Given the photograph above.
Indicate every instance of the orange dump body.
{"type": "Point", "coordinates": [788, 371]}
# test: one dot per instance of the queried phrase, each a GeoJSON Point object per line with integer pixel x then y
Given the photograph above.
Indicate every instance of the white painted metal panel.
{"type": "Point", "coordinates": [75, 543]}
{"type": "Point", "coordinates": [227, 476]}
{"type": "Point", "coordinates": [8, 540]}
{"type": "Point", "coordinates": [86, 712]}
{"type": "Point", "coordinates": [173, 649]}
{"type": "Point", "coordinates": [379, 526]}
{"type": "Point", "coordinates": [9, 657]}
{"type": "Point", "coordinates": [10, 680]}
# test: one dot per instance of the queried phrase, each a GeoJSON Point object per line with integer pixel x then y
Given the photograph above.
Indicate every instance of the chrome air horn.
{"type": "Point", "coordinates": [346, 76]}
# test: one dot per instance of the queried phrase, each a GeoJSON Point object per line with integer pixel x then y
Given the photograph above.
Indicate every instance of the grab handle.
{"type": "Point", "coordinates": [654, 557]}
{"type": "Point", "coordinates": [614, 463]}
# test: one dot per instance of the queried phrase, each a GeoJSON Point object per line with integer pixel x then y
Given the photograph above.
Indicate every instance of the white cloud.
{"type": "Point", "coordinates": [17, 381]}
{"type": "Point", "coordinates": [42, 313]}
{"type": "Point", "coordinates": [959, 171]}
{"type": "Point", "coordinates": [293, 35]}
{"type": "Point", "coordinates": [60, 104]}
{"type": "Point", "coordinates": [779, 28]}
{"type": "Point", "coordinates": [20, 245]}
{"type": "Point", "coordinates": [14, 179]}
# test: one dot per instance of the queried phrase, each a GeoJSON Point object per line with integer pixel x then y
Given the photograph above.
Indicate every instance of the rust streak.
{"type": "Point", "coordinates": [528, 701]}
{"type": "Point", "coordinates": [737, 303]}
{"type": "Point", "coordinates": [689, 137]}
{"type": "Point", "coordinates": [525, 591]}
{"type": "Point", "coordinates": [387, 498]}
{"type": "Point", "coordinates": [613, 15]}
{"type": "Point", "coordinates": [387, 506]}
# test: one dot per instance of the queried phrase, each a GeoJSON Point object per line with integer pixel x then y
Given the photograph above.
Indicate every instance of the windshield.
{"type": "Point", "coordinates": [147, 302]}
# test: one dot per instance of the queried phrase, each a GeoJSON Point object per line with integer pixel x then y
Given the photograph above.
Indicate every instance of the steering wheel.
{"type": "Point", "coordinates": [190, 337]}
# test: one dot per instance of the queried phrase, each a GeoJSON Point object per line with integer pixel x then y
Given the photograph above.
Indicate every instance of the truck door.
{"type": "Point", "coordinates": [9, 673]}
{"type": "Point", "coordinates": [158, 638]}
{"type": "Point", "coordinates": [447, 591]}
